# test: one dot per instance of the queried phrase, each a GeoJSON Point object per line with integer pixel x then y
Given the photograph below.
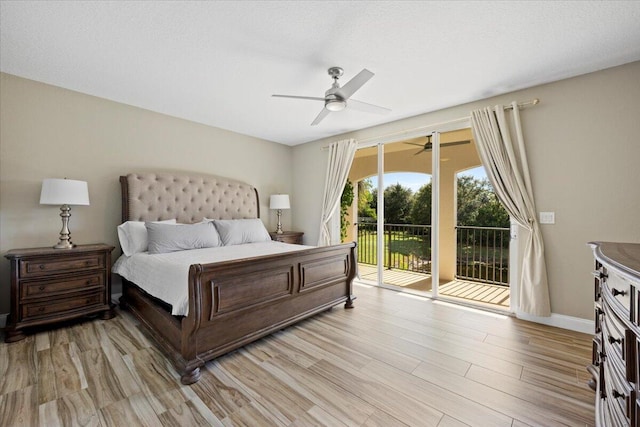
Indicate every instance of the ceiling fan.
{"type": "Point", "coordinates": [337, 98]}
{"type": "Point", "coordinates": [428, 146]}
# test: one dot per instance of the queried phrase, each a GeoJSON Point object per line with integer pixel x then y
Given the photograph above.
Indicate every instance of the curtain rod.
{"type": "Point", "coordinates": [534, 101]}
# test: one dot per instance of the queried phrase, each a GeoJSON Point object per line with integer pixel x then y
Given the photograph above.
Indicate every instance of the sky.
{"type": "Point", "coordinates": [416, 180]}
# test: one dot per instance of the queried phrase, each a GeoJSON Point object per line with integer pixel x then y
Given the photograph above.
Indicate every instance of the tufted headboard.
{"type": "Point", "coordinates": [188, 199]}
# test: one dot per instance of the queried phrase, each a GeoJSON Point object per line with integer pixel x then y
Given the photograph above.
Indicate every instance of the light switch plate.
{"type": "Point", "coordinates": [547, 217]}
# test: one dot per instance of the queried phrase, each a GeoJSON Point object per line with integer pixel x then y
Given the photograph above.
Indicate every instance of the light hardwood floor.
{"type": "Point", "coordinates": [393, 360]}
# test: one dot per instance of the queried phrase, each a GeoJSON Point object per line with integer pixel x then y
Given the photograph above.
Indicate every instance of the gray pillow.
{"type": "Point", "coordinates": [179, 237]}
{"type": "Point", "coordinates": [239, 231]}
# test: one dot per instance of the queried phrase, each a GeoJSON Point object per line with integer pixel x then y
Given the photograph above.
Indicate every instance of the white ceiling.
{"type": "Point", "coordinates": [218, 63]}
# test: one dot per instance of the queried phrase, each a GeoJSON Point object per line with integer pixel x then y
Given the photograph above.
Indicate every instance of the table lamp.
{"type": "Point", "coordinates": [279, 202]}
{"type": "Point", "coordinates": [64, 192]}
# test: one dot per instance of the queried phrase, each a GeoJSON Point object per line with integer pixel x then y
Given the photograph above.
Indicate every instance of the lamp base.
{"type": "Point", "coordinates": [65, 235]}
{"type": "Point", "coordinates": [64, 245]}
{"type": "Point", "coordinates": [279, 228]}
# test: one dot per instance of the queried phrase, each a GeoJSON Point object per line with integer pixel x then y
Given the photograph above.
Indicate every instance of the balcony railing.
{"type": "Point", "coordinates": [482, 252]}
{"type": "Point", "coordinates": [406, 247]}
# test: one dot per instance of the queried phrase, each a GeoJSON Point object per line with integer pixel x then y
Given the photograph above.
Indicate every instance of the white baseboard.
{"type": "Point", "coordinates": [577, 324]}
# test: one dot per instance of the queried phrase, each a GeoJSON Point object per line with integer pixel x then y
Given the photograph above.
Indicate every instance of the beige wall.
{"type": "Point", "coordinates": [584, 152]}
{"type": "Point", "coordinates": [49, 132]}
{"type": "Point", "coordinates": [582, 142]}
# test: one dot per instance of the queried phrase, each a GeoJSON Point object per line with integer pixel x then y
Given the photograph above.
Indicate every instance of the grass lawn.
{"type": "Point", "coordinates": [402, 250]}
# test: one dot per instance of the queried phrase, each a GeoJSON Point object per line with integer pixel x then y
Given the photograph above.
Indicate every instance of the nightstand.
{"type": "Point", "coordinates": [294, 237]}
{"type": "Point", "coordinates": [51, 285]}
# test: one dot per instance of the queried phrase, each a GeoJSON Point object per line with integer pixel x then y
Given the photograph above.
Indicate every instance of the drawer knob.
{"type": "Point", "coordinates": [617, 394]}
{"type": "Point", "coordinates": [41, 267]}
{"type": "Point", "coordinates": [90, 281]}
{"type": "Point", "coordinates": [616, 292]}
{"type": "Point", "coordinates": [41, 309]}
{"type": "Point", "coordinates": [614, 340]}
{"type": "Point", "coordinates": [41, 287]}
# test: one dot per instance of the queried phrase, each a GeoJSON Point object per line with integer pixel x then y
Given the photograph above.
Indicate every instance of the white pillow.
{"type": "Point", "coordinates": [165, 238]}
{"type": "Point", "coordinates": [239, 231]}
{"type": "Point", "coordinates": [133, 236]}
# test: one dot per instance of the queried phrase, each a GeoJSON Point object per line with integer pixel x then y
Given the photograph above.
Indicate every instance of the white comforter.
{"type": "Point", "coordinates": [165, 276]}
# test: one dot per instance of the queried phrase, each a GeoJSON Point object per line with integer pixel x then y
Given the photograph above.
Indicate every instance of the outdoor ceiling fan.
{"type": "Point", "coordinates": [428, 146]}
{"type": "Point", "coordinates": [338, 98]}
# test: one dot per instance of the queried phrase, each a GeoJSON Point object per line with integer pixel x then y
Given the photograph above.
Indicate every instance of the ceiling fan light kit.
{"type": "Point", "coordinates": [336, 98]}
{"type": "Point", "coordinates": [335, 104]}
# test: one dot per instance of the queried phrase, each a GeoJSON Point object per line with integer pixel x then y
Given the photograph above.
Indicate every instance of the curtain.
{"type": "Point", "coordinates": [504, 157]}
{"type": "Point", "coordinates": [340, 158]}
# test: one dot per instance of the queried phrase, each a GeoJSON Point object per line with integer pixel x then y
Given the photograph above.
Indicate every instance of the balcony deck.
{"type": "Point", "coordinates": [492, 296]}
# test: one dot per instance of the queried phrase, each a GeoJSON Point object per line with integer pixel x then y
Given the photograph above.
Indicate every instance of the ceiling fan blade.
{"type": "Point", "coordinates": [454, 143]}
{"type": "Point", "coordinates": [323, 113]}
{"type": "Point", "coordinates": [422, 151]}
{"type": "Point", "coordinates": [367, 108]}
{"type": "Point", "coordinates": [312, 98]}
{"type": "Point", "coordinates": [428, 146]}
{"type": "Point", "coordinates": [354, 84]}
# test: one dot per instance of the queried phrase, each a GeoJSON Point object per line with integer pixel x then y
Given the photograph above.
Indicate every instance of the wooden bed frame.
{"type": "Point", "coordinates": [230, 303]}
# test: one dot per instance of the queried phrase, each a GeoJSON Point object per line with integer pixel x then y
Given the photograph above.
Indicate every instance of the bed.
{"type": "Point", "coordinates": [235, 302]}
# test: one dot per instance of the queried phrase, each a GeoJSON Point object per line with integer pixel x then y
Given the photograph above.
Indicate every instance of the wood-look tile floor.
{"type": "Point", "coordinates": [394, 360]}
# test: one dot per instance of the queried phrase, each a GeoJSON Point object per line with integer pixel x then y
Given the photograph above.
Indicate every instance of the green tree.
{"type": "Point", "coordinates": [346, 200]}
{"type": "Point", "coordinates": [365, 198]}
{"type": "Point", "coordinates": [421, 209]}
{"type": "Point", "coordinates": [374, 200]}
{"type": "Point", "coordinates": [492, 213]}
{"type": "Point", "coordinates": [397, 204]}
{"type": "Point", "coordinates": [472, 193]}
{"type": "Point", "coordinates": [478, 204]}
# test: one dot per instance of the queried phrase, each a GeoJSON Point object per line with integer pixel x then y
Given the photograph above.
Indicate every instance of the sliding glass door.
{"type": "Point", "coordinates": [426, 219]}
{"type": "Point", "coordinates": [393, 184]}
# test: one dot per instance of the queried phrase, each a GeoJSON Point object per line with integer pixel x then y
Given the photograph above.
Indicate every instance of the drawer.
{"type": "Point", "coordinates": [636, 377]}
{"type": "Point", "coordinates": [596, 351]}
{"type": "Point", "coordinates": [598, 319]}
{"type": "Point", "coordinates": [613, 333]}
{"type": "Point", "coordinates": [38, 267]}
{"type": "Point", "coordinates": [288, 237]}
{"type": "Point", "coordinates": [620, 396]}
{"type": "Point", "coordinates": [51, 288]}
{"type": "Point", "coordinates": [599, 274]}
{"type": "Point", "coordinates": [43, 309]}
{"type": "Point", "coordinates": [618, 290]}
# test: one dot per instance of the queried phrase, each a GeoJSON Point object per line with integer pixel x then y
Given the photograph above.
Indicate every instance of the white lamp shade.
{"type": "Point", "coordinates": [279, 201]}
{"type": "Point", "coordinates": [64, 192]}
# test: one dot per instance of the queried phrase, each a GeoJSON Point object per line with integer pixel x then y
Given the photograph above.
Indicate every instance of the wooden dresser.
{"type": "Point", "coordinates": [615, 367]}
{"type": "Point", "coordinates": [294, 237]}
{"type": "Point", "coordinates": [50, 285]}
